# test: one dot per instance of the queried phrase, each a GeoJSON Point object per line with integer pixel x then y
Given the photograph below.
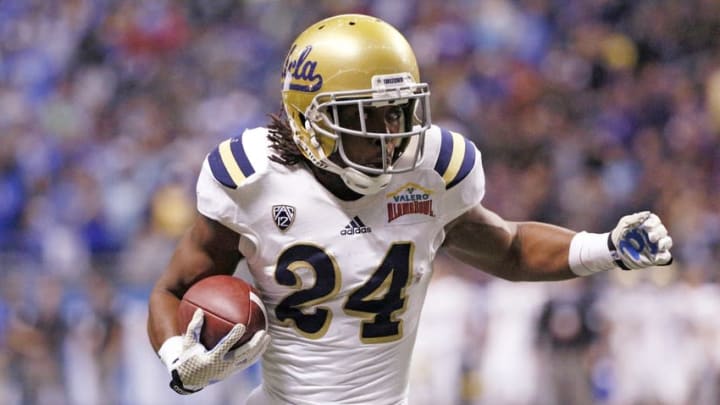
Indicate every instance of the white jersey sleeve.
{"type": "Point", "coordinates": [213, 200]}
{"type": "Point", "coordinates": [229, 170]}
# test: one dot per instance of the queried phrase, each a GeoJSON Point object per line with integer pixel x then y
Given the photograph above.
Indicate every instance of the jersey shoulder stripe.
{"type": "Point", "coordinates": [456, 158]}
{"type": "Point", "coordinates": [229, 163]}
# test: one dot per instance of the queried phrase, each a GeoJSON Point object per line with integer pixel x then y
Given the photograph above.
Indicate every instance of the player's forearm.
{"type": "Point", "coordinates": [207, 248]}
{"type": "Point", "coordinates": [165, 295]}
{"type": "Point", "coordinates": [187, 265]}
{"type": "Point", "coordinates": [520, 251]}
{"type": "Point", "coordinates": [162, 322]}
{"type": "Point", "coordinates": [541, 251]}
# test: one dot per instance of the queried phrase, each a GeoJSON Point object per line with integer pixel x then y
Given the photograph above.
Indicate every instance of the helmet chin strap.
{"type": "Point", "coordinates": [361, 183]}
{"type": "Point", "coordinates": [358, 181]}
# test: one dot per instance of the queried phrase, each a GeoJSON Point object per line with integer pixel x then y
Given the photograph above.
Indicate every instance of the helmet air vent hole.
{"type": "Point", "coordinates": [352, 23]}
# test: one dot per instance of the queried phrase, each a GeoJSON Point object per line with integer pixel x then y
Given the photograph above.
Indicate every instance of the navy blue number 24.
{"type": "Point", "coordinates": [378, 302]}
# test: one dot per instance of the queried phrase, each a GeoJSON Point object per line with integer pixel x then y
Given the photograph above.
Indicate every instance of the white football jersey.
{"type": "Point", "coordinates": [343, 281]}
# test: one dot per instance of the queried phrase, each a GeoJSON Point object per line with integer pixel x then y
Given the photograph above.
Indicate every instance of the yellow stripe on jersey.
{"type": "Point", "coordinates": [230, 163]}
{"type": "Point", "coordinates": [456, 159]}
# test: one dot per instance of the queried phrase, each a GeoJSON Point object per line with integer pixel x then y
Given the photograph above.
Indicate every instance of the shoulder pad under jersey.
{"type": "Point", "coordinates": [455, 159]}
{"type": "Point", "coordinates": [229, 162]}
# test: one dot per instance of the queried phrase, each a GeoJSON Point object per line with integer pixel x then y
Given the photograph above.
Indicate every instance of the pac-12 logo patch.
{"type": "Point", "coordinates": [283, 215]}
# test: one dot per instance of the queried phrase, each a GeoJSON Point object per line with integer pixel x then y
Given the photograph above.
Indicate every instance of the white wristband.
{"type": "Point", "coordinates": [589, 253]}
{"type": "Point", "coordinates": [170, 351]}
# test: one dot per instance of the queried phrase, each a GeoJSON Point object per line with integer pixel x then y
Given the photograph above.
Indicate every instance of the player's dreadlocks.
{"type": "Point", "coordinates": [280, 135]}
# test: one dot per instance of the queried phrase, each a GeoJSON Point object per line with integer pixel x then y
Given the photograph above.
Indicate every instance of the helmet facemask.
{"type": "Point", "coordinates": [323, 120]}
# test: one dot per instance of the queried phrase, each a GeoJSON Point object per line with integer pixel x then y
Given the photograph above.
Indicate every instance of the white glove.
{"type": "Point", "coordinates": [640, 240]}
{"type": "Point", "coordinates": [193, 367]}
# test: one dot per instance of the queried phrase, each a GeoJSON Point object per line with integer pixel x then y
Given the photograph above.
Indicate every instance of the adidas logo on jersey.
{"type": "Point", "coordinates": [355, 226]}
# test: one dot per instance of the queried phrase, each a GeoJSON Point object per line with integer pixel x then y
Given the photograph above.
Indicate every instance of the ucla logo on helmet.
{"type": "Point", "coordinates": [299, 73]}
{"type": "Point", "coordinates": [283, 215]}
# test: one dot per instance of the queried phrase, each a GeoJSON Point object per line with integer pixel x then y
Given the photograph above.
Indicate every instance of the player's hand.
{"type": "Point", "coordinates": [640, 240]}
{"type": "Point", "coordinates": [196, 367]}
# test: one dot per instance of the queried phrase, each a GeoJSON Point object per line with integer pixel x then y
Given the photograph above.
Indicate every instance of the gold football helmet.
{"type": "Point", "coordinates": [360, 62]}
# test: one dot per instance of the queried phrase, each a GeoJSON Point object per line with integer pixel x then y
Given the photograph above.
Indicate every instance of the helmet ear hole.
{"type": "Point", "coordinates": [306, 123]}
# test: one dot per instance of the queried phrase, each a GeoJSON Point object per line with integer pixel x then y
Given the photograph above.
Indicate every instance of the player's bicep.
{"type": "Point", "coordinates": [481, 238]}
{"type": "Point", "coordinates": [206, 248]}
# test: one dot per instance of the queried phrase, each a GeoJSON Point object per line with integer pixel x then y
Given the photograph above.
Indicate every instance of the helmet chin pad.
{"type": "Point", "coordinates": [361, 183]}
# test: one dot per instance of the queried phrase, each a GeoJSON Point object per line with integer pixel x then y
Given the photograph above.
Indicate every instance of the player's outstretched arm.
{"type": "Point", "coordinates": [533, 251]}
{"type": "Point", "coordinates": [516, 251]}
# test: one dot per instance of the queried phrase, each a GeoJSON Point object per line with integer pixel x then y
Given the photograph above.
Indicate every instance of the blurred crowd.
{"type": "Point", "coordinates": [584, 111]}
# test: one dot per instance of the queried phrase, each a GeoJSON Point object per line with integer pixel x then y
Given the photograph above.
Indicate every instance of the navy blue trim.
{"type": "Point", "coordinates": [241, 158]}
{"type": "Point", "coordinates": [467, 164]}
{"type": "Point", "coordinates": [446, 148]}
{"type": "Point", "coordinates": [217, 167]}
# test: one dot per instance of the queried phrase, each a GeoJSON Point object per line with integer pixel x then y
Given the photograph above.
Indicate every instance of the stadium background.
{"type": "Point", "coordinates": [584, 111]}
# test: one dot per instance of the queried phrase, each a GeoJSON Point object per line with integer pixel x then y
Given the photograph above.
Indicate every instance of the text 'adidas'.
{"type": "Point", "coordinates": [355, 226]}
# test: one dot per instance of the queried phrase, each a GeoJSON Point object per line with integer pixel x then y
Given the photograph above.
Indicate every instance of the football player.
{"type": "Point", "coordinates": [339, 208]}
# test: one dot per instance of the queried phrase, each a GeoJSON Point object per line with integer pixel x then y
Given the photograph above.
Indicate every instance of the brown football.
{"type": "Point", "coordinates": [226, 301]}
